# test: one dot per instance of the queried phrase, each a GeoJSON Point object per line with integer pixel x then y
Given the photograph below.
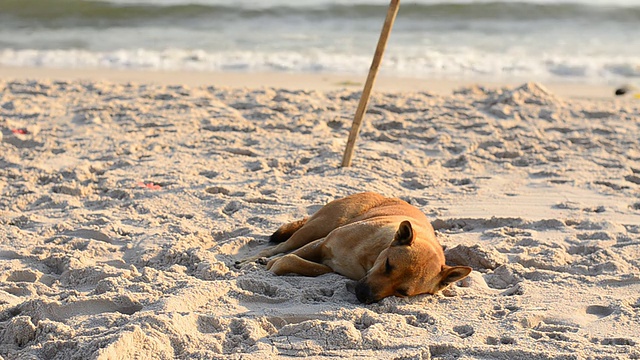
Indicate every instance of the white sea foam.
{"type": "Point", "coordinates": [435, 64]}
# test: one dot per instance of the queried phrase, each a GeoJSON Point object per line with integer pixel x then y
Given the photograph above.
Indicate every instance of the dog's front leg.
{"type": "Point", "coordinates": [294, 264]}
{"type": "Point", "coordinates": [267, 253]}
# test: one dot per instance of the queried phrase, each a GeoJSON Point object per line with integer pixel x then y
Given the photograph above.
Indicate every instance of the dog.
{"type": "Point", "coordinates": [385, 244]}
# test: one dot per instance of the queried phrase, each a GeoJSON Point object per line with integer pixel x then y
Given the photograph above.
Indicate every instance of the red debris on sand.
{"type": "Point", "coordinates": [150, 185]}
{"type": "Point", "coordinates": [19, 131]}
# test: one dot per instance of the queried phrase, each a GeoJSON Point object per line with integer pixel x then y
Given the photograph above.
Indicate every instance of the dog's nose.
{"type": "Point", "coordinates": [363, 293]}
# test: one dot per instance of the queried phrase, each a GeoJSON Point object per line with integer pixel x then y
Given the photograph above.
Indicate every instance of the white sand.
{"type": "Point", "coordinates": [123, 208]}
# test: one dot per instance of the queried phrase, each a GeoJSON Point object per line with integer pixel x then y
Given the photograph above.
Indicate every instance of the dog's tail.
{"type": "Point", "coordinates": [285, 231]}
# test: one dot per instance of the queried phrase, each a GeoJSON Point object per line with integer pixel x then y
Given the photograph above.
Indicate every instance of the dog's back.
{"type": "Point", "coordinates": [347, 210]}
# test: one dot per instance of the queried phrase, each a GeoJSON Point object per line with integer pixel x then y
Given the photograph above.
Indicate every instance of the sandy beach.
{"type": "Point", "coordinates": [127, 197]}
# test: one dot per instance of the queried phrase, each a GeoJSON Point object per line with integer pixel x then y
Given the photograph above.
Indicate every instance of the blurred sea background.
{"type": "Point", "coordinates": [577, 41]}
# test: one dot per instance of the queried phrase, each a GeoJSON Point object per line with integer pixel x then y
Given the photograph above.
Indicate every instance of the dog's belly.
{"type": "Point", "coordinates": [351, 250]}
{"type": "Point", "coordinates": [350, 269]}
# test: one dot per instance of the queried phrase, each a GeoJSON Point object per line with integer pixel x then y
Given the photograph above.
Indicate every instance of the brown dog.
{"type": "Point", "coordinates": [385, 243]}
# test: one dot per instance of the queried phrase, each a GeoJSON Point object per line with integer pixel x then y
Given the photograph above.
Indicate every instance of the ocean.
{"type": "Point", "coordinates": [582, 41]}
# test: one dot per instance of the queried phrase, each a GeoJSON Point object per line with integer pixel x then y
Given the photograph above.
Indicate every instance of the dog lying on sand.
{"type": "Point", "coordinates": [386, 244]}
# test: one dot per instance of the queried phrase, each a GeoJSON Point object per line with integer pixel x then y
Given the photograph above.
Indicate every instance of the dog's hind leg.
{"type": "Point", "coordinates": [331, 216]}
{"type": "Point", "coordinates": [315, 228]}
{"type": "Point", "coordinates": [294, 264]}
{"type": "Point", "coordinates": [306, 234]}
{"type": "Point", "coordinates": [304, 261]}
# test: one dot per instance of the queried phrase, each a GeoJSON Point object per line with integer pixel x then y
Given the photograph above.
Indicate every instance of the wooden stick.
{"type": "Point", "coordinates": [371, 79]}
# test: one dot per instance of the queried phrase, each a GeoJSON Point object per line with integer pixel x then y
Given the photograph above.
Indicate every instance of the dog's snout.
{"type": "Point", "coordinates": [363, 293]}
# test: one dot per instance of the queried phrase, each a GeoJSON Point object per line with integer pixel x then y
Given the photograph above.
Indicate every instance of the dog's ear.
{"type": "Point", "coordinates": [451, 274]}
{"type": "Point", "coordinates": [404, 235]}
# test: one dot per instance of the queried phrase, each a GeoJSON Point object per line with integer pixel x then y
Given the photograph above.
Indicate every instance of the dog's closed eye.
{"type": "Point", "coordinates": [387, 267]}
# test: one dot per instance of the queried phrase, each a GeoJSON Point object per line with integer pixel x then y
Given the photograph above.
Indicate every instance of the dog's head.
{"type": "Point", "coordinates": [408, 267]}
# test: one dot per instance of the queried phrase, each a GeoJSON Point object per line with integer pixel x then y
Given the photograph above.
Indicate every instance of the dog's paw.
{"type": "Point", "coordinates": [278, 265]}
{"type": "Point", "coordinates": [272, 262]}
{"type": "Point", "coordinates": [254, 259]}
{"type": "Point", "coordinates": [243, 262]}
{"type": "Point", "coordinates": [275, 266]}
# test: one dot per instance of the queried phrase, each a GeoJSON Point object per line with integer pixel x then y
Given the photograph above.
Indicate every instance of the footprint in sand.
{"type": "Point", "coordinates": [89, 234]}
{"type": "Point", "coordinates": [598, 114]}
{"type": "Point", "coordinates": [9, 255]}
{"type": "Point", "coordinates": [633, 179]}
{"type": "Point", "coordinates": [413, 184]}
{"type": "Point", "coordinates": [93, 306]}
{"type": "Point", "coordinates": [264, 291]}
{"type": "Point", "coordinates": [460, 182]}
{"type": "Point", "coordinates": [232, 207]}
{"type": "Point", "coordinates": [20, 142]}
{"type": "Point", "coordinates": [332, 334]}
{"type": "Point", "coordinates": [217, 190]}
{"type": "Point", "coordinates": [210, 174]}
{"type": "Point", "coordinates": [95, 235]}
{"type": "Point", "coordinates": [119, 194]}
{"type": "Point", "coordinates": [611, 185]}
{"type": "Point", "coordinates": [599, 310]}
{"type": "Point", "coordinates": [554, 330]}
{"type": "Point", "coordinates": [464, 331]}
{"type": "Point", "coordinates": [221, 236]}
{"type": "Point", "coordinates": [475, 256]}
{"type": "Point", "coordinates": [317, 295]}
{"type": "Point", "coordinates": [617, 342]}
{"type": "Point", "coordinates": [20, 330]}
{"type": "Point", "coordinates": [501, 155]}
{"type": "Point", "coordinates": [503, 340]}
{"type": "Point", "coordinates": [39, 309]}
{"type": "Point", "coordinates": [24, 275]}
{"type": "Point", "coordinates": [458, 162]}
{"type": "Point", "coordinates": [222, 190]}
